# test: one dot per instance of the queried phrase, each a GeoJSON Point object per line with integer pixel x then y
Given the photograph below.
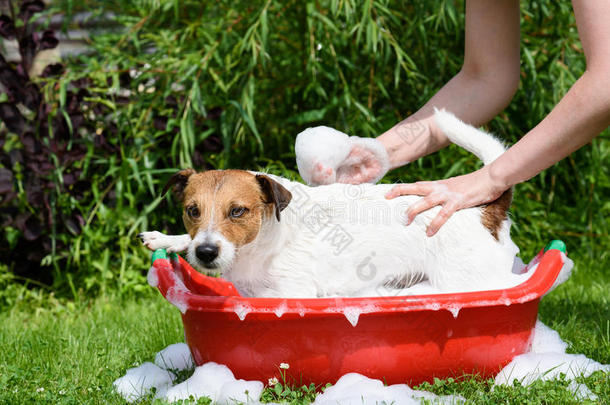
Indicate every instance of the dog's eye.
{"type": "Point", "coordinates": [192, 211]}
{"type": "Point", "coordinates": [237, 212]}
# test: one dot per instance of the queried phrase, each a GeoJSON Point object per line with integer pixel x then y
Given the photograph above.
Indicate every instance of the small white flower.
{"type": "Point", "coordinates": [318, 47]}
{"type": "Point", "coordinates": [176, 87]}
{"type": "Point", "coordinates": [40, 389]}
{"type": "Point", "coordinates": [272, 381]}
{"type": "Point", "coordinates": [285, 366]}
{"type": "Point", "coordinates": [62, 392]}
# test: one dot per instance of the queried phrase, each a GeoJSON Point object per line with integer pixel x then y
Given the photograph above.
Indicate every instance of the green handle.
{"type": "Point", "coordinates": [158, 254]}
{"type": "Point", "coordinates": [162, 254]}
{"type": "Point", "coordinates": [556, 244]}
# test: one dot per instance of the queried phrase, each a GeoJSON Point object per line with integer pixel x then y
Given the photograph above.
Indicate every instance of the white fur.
{"type": "Point", "coordinates": [296, 257]}
{"type": "Point", "coordinates": [172, 243]}
{"type": "Point", "coordinates": [483, 145]}
{"type": "Point", "coordinates": [293, 261]}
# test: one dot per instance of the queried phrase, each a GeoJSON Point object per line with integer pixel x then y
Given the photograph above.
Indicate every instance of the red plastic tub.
{"type": "Point", "coordinates": [396, 339]}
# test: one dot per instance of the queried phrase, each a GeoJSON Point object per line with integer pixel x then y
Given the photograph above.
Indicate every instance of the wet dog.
{"type": "Point", "coordinates": [273, 237]}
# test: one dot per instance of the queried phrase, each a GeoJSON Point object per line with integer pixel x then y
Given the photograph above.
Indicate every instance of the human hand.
{"type": "Point", "coordinates": [367, 162]}
{"type": "Point", "coordinates": [453, 194]}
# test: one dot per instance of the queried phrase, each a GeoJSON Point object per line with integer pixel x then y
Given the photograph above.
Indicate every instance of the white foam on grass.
{"type": "Point", "coordinates": [546, 360]}
{"type": "Point", "coordinates": [240, 391]}
{"type": "Point", "coordinates": [140, 381]}
{"type": "Point", "coordinates": [546, 340]}
{"type": "Point", "coordinates": [530, 367]}
{"type": "Point", "coordinates": [356, 389]}
{"type": "Point", "coordinates": [175, 357]}
{"type": "Point", "coordinates": [581, 391]}
{"type": "Point", "coordinates": [215, 381]}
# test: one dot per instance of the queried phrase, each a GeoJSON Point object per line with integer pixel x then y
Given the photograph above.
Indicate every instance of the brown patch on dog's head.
{"type": "Point", "coordinates": [233, 203]}
{"type": "Point", "coordinates": [494, 213]}
{"type": "Point", "coordinates": [178, 183]}
{"type": "Point", "coordinates": [274, 193]}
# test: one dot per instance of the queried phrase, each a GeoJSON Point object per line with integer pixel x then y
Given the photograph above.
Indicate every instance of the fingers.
{"type": "Point", "coordinates": [440, 219]}
{"type": "Point", "coordinates": [423, 205]}
{"type": "Point", "coordinates": [419, 188]}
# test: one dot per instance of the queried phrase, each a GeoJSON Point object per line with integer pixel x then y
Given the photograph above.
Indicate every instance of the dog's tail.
{"type": "Point", "coordinates": [483, 145]}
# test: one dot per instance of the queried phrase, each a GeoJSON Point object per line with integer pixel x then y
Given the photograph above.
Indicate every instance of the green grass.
{"type": "Point", "coordinates": [74, 350]}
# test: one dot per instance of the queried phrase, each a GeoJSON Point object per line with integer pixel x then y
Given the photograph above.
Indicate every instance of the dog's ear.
{"type": "Point", "coordinates": [178, 182]}
{"type": "Point", "coordinates": [274, 193]}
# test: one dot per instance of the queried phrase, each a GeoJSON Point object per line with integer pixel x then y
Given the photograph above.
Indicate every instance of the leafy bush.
{"type": "Point", "coordinates": [230, 84]}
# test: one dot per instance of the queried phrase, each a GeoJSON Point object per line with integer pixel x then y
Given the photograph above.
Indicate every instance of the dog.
{"type": "Point", "coordinates": [272, 237]}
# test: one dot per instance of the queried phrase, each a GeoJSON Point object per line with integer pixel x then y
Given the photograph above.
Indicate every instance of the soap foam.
{"type": "Point", "coordinates": [140, 381]}
{"type": "Point", "coordinates": [546, 360]}
{"type": "Point", "coordinates": [152, 277]}
{"type": "Point", "coordinates": [352, 314]}
{"type": "Point", "coordinates": [241, 311]}
{"type": "Point", "coordinates": [175, 357]}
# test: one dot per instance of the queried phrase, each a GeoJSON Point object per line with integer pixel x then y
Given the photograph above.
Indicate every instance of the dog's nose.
{"type": "Point", "coordinates": [207, 253]}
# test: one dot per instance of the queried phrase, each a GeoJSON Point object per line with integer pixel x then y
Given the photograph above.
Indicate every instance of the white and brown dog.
{"type": "Point", "coordinates": [273, 237]}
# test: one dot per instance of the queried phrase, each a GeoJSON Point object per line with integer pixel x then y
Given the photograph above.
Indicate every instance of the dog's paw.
{"type": "Point", "coordinates": [322, 174]}
{"type": "Point", "coordinates": [153, 240]}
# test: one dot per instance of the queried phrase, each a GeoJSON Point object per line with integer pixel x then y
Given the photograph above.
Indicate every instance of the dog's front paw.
{"type": "Point", "coordinates": [153, 240]}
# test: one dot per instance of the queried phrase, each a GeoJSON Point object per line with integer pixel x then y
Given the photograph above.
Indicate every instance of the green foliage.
{"type": "Point", "coordinates": [230, 84]}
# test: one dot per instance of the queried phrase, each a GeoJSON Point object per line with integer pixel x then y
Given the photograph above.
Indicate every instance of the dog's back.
{"type": "Point", "coordinates": [350, 236]}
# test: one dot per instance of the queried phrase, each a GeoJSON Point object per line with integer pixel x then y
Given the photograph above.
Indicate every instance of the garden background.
{"type": "Point", "coordinates": [88, 141]}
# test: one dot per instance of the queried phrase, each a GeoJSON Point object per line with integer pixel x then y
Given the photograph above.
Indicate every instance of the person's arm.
{"type": "Point", "coordinates": [582, 114]}
{"type": "Point", "coordinates": [484, 86]}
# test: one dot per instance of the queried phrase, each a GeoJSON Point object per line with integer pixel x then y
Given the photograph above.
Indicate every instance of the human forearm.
{"type": "Point", "coordinates": [582, 114]}
{"type": "Point", "coordinates": [475, 99]}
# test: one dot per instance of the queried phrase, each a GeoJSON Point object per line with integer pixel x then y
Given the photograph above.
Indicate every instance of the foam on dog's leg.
{"type": "Point", "coordinates": [325, 156]}
{"type": "Point", "coordinates": [319, 151]}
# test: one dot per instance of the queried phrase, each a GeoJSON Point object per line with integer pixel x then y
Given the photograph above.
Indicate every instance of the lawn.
{"type": "Point", "coordinates": [58, 351]}
{"type": "Point", "coordinates": [168, 85]}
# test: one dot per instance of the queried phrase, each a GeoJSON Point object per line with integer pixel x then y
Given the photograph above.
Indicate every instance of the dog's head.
{"type": "Point", "coordinates": [224, 210]}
